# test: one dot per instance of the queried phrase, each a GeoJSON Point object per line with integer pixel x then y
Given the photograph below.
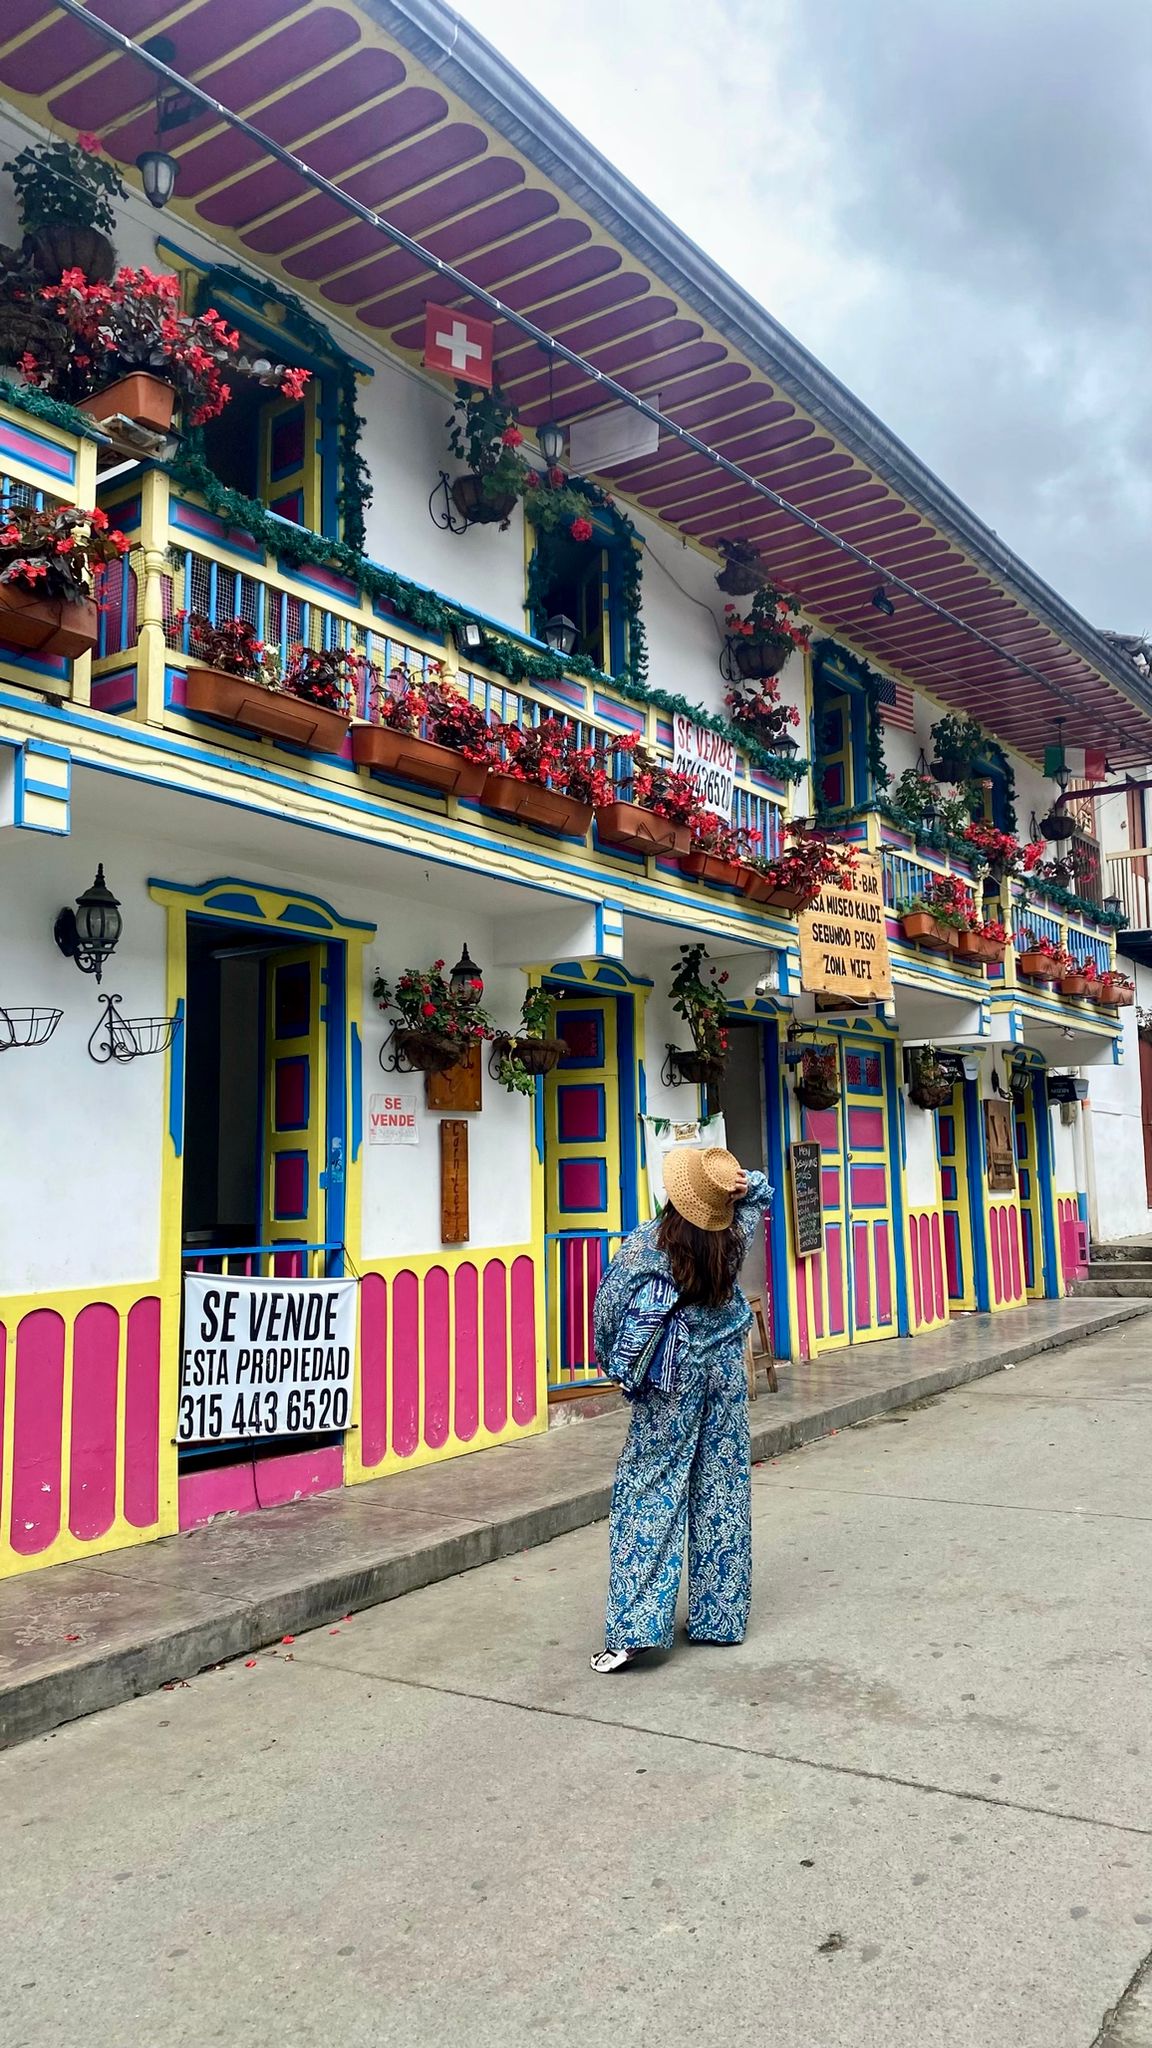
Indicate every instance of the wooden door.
{"type": "Point", "coordinates": [295, 1104]}
{"type": "Point", "coordinates": [1031, 1192]}
{"type": "Point", "coordinates": [956, 1200]}
{"type": "Point", "coordinates": [583, 1165]}
{"type": "Point", "coordinates": [871, 1234]}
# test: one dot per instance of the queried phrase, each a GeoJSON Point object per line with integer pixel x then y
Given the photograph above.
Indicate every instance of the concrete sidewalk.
{"type": "Point", "coordinates": [84, 1636]}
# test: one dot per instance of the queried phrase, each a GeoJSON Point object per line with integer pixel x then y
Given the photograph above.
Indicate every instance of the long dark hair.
{"type": "Point", "coordinates": [704, 1262]}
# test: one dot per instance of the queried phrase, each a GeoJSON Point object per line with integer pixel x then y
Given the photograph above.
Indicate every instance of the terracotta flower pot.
{"type": "Point", "coordinates": [708, 867]}
{"type": "Point", "coordinates": [45, 625]}
{"type": "Point", "coordinates": [971, 946]}
{"type": "Point", "coordinates": [921, 926]}
{"type": "Point", "coordinates": [1073, 985]}
{"type": "Point", "coordinates": [472, 505]}
{"type": "Point", "coordinates": [417, 760]}
{"type": "Point", "coordinates": [1111, 997]}
{"type": "Point", "coordinates": [530, 803]}
{"type": "Point", "coordinates": [148, 400]}
{"type": "Point", "coordinates": [1037, 967]}
{"type": "Point", "coordinates": [59, 246]}
{"type": "Point", "coordinates": [275, 714]}
{"type": "Point", "coordinates": [639, 831]}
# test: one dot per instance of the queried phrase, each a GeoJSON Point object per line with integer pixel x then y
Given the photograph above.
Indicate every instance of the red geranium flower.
{"type": "Point", "coordinates": [581, 529]}
{"type": "Point", "coordinates": [511, 437]}
{"type": "Point", "coordinates": [89, 142]}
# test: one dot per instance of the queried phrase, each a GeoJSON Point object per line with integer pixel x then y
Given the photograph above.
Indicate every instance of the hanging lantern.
{"type": "Point", "coordinates": [561, 633]}
{"type": "Point", "coordinates": [466, 983]}
{"type": "Point", "coordinates": [157, 175]}
{"type": "Point", "coordinates": [550, 441]}
{"type": "Point", "coordinates": [89, 934]}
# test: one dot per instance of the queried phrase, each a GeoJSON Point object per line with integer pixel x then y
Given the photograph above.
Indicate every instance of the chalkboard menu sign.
{"type": "Point", "coordinates": [807, 1197]}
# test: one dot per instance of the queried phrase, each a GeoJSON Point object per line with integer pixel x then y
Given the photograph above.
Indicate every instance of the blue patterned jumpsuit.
{"type": "Point", "coordinates": [686, 1460]}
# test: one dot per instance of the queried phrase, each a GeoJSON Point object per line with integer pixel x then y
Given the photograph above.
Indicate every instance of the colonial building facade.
{"type": "Point", "coordinates": [245, 1107]}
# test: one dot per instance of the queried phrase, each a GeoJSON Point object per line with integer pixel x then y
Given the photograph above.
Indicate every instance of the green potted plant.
{"type": "Point", "coordinates": [697, 993]}
{"type": "Point", "coordinates": [232, 675]}
{"type": "Point", "coordinates": [426, 731]}
{"type": "Point", "coordinates": [65, 192]}
{"type": "Point", "coordinates": [547, 778]}
{"type": "Point", "coordinates": [532, 1051]}
{"type": "Point", "coordinates": [957, 743]}
{"type": "Point", "coordinates": [1057, 825]}
{"type": "Point", "coordinates": [930, 1081]}
{"type": "Point", "coordinates": [483, 433]}
{"type": "Point", "coordinates": [818, 1080]}
{"type": "Point", "coordinates": [435, 1028]}
{"type": "Point", "coordinates": [938, 915]}
{"type": "Point", "coordinates": [760, 641]}
{"type": "Point", "coordinates": [663, 808]}
{"type": "Point", "coordinates": [51, 564]}
{"type": "Point", "coordinates": [132, 351]}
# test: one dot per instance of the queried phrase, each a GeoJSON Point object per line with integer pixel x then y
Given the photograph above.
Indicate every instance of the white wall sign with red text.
{"type": "Point", "coordinates": [709, 760]}
{"type": "Point", "coordinates": [392, 1120]}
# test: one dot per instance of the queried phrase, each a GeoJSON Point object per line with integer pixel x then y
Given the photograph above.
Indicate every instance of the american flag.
{"type": "Point", "coordinates": [896, 704]}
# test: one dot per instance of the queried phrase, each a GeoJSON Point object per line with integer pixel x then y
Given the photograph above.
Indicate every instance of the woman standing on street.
{"type": "Point", "coordinates": [670, 1324]}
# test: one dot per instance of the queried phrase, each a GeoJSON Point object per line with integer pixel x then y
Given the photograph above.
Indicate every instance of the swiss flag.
{"type": "Point", "coordinates": [458, 344]}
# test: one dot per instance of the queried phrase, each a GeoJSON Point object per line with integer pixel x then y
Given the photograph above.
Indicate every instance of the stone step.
{"type": "Point", "coordinates": [1103, 1289]}
{"type": "Point", "coordinates": [1121, 1269]}
{"type": "Point", "coordinates": [1123, 1248]}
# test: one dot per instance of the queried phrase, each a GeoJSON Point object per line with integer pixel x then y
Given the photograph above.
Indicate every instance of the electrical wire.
{"type": "Point", "coordinates": [464, 285]}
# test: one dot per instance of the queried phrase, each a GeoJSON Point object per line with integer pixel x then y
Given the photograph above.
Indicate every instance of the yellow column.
{"type": "Point", "coordinates": [152, 650]}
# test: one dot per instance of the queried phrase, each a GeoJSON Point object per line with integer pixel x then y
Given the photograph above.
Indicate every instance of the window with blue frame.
{"type": "Point", "coordinates": [840, 714]}
{"type": "Point", "coordinates": [583, 581]}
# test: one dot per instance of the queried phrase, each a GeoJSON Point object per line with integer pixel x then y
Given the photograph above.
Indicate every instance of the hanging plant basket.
{"type": "Point", "coordinates": [741, 579]}
{"type": "Point", "coordinates": [537, 1055]}
{"type": "Point", "coordinates": [930, 1094]}
{"type": "Point", "coordinates": [698, 1068]}
{"type": "Point", "coordinates": [416, 760]}
{"type": "Point", "coordinates": [428, 1051]}
{"type": "Point", "coordinates": [636, 830]}
{"type": "Point", "coordinates": [25, 328]}
{"type": "Point", "coordinates": [47, 626]}
{"type": "Point", "coordinates": [472, 505]}
{"type": "Point", "coordinates": [949, 768]}
{"type": "Point", "coordinates": [274, 714]}
{"type": "Point", "coordinates": [531, 803]}
{"type": "Point", "coordinates": [1057, 827]}
{"type": "Point", "coordinates": [31, 1024]}
{"type": "Point", "coordinates": [58, 247]}
{"type": "Point", "coordinates": [816, 1094]}
{"type": "Point", "coordinates": [708, 867]}
{"type": "Point", "coordinates": [757, 659]}
{"type": "Point", "coordinates": [1037, 967]}
{"type": "Point", "coordinates": [150, 401]}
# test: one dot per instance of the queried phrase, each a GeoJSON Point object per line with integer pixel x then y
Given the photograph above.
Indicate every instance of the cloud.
{"type": "Point", "coordinates": [945, 202]}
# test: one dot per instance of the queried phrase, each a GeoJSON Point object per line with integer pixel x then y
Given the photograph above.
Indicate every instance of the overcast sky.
{"type": "Point", "coordinates": [947, 201]}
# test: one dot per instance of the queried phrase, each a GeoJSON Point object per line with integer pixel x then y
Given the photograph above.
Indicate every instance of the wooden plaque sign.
{"type": "Point", "coordinates": [843, 938]}
{"type": "Point", "coordinates": [459, 1088]}
{"type": "Point", "coordinates": [998, 1147]}
{"type": "Point", "coordinates": [453, 1181]}
{"type": "Point", "coordinates": [807, 1197]}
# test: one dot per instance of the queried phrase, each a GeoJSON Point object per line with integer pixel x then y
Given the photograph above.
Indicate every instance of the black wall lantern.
{"type": "Point", "coordinates": [469, 636]}
{"type": "Point", "coordinates": [466, 982]}
{"type": "Point", "coordinates": [561, 633]}
{"type": "Point", "coordinates": [89, 934]}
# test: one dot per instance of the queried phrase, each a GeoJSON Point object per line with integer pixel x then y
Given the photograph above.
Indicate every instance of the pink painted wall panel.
{"type": "Point", "coordinates": [861, 1283]}
{"type": "Point", "coordinates": [38, 1421]}
{"type": "Point", "coordinates": [92, 1451]}
{"type": "Point", "coordinates": [997, 1237]}
{"type": "Point", "coordinates": [142, 1414]}
{"type": "Point", "coordinates": [824, 1126]}
{"type": "Point", "coordinates": [495, 1346]}
{"type": "Point", "coordinates": [880, 1241]}
{"type": "Point", "coordinates": [523, 1340]}
{"type": "Point", "coordinates": [467, 1352]}
{"type": "Point", "coordinates": [802, 1330]}
{"type": "Point", "coordinates": [834, 1254]}
{"type": "Point", "coordinates": [869, 1186]}
{"type": "Point", "coordinates": [915, 1260]}
{"type": "Point", "coordinates": [1012, 1227]}
{"type": "Point", "coordinates": [405, 1364]}
{"type": "Point", "coordinates": [866, 1128]}
{"type": "Point", "coordinates": [297, 1474]}
{"type": "Point", "coordinates": [3, 1401]}
{"type": "Point", "coordinates": [437, 1359]}
{"type": "Point", "coordinates": [373, 1368]}
{"type": "Point", "coordinates": [938, 1270]}
{"type": "Point", "coordinates": [830, 1187]}
{"type": "Point", "coordinates": [227, 1490]}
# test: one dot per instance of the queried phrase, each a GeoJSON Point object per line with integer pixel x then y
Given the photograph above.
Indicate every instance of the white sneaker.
{"type": "Point", "coordinates": [615, 1660]}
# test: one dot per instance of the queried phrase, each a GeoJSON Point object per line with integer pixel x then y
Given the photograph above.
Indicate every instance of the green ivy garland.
{"type": "Point", "coordinates": [40, 406]}
{"type": "Point", "coordinates": [1079, 906]}
{"type": "Point", "coordinates": [936, 840]}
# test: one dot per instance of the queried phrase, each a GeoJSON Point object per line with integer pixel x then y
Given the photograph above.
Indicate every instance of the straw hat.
{"type": "Point", "coordinates": [701, 1184]}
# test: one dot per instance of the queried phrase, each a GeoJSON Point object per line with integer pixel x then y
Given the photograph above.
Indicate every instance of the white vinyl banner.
{"type": "Point", "coordinates": [265, 1358]}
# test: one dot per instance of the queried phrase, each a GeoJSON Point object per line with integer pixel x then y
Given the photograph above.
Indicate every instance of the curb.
{"type": "Point", "coordinates": [107, 1678]}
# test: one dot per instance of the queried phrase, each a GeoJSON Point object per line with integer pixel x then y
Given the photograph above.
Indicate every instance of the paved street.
{"type": "Point", "coordinates": [914, 1809]}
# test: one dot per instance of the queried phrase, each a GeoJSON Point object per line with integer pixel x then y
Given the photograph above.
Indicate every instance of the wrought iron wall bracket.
{"type": "Point", "coordinates": [129, 1038]}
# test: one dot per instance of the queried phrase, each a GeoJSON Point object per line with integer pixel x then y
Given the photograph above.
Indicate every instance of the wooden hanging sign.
{"type": "Point", "coordinates": [458, 1088]}
{"type": "Point", "coordinates": [844, 939]}
{"type": "Point", "coordinates": [454, 1226]}
{"type": "Point", "coordinates": [999, 1149]}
